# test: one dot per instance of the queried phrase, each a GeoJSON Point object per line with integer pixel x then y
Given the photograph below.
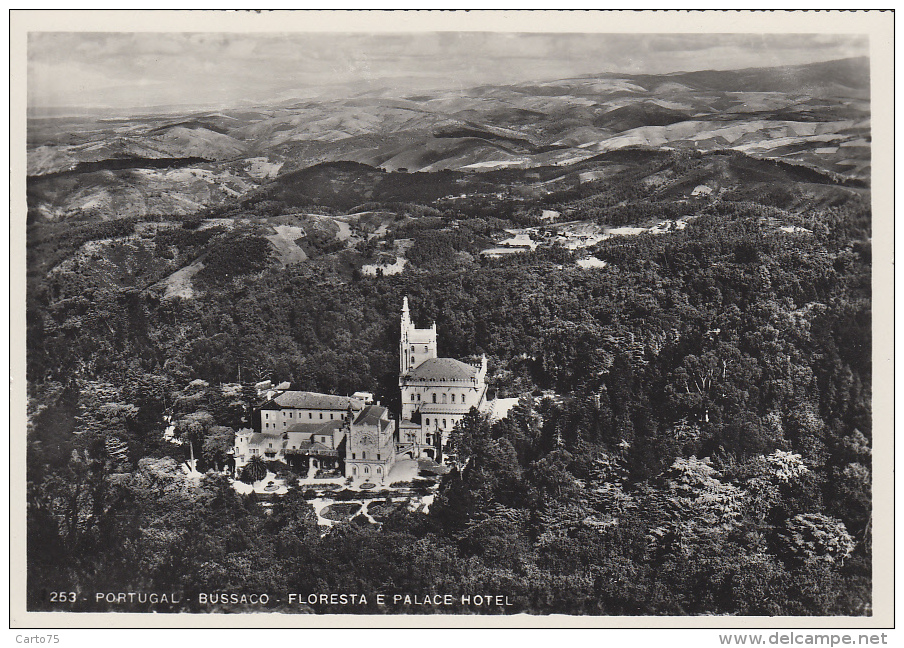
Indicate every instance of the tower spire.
{"type": "Point", "coordinates": [404, 356]}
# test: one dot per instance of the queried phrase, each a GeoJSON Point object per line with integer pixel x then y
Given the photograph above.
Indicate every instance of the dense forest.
{"type": "Point", "coordinates": [693, 435]}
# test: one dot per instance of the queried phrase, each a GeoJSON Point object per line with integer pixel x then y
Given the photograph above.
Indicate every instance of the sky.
{"type": "Point", "coordinates": [136, 70]}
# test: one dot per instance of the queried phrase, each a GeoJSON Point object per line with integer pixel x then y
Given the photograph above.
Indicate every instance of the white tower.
{"type": "Point", "coordinates": [415, 345]}
{"type": "Point", "coordinates": [404, 353]}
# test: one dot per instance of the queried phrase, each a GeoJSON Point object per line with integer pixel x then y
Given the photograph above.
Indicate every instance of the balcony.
{"type": "Point", "coordinates": [312, 450]}
{"type": "Point", "coordinates": [445, 408]}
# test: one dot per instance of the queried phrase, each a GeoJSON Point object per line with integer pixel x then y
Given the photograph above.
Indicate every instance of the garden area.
{"type": "Point", "coordinates": [341, 511]}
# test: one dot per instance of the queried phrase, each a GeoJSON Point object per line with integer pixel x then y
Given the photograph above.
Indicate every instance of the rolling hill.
{"type": "Point", "coordinates": [815, 116]}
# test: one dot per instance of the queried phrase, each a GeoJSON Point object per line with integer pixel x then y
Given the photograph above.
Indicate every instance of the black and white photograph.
{"type": "Point", "coordinates": [482, 322]}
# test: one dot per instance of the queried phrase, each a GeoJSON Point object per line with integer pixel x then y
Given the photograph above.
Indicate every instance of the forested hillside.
{"type": "Point", "coordinates": [693, 436]}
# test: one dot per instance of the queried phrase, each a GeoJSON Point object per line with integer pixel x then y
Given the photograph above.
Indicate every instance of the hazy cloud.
{"type": "Point", "coordinates": [142, 69]}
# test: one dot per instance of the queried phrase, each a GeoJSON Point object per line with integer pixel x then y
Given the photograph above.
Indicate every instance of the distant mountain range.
{"type": "Point", "coordinates": [815, 116]}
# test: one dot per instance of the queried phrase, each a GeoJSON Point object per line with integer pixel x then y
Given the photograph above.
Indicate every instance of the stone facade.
{"type": "Point", "coordinates": [292, 407]}
{"type": "Point", "coordinates": [436, 392]}
{"type": "Point", "coordinates": [315, 446]}
{"type": "Point", "coordinates": [371, 451]}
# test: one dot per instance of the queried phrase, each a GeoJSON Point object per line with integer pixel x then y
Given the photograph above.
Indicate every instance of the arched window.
{"type": "Point", "coordinates": [379, 470]}
{"type": "Point", "coordinates": [354, 471]}
{"type": "Point", "coordinates": [412, 397]}
{"type": "Point", "coordinates": [434, 398]}
{"type": "Point", "coordinates": [453, 399]}
{"type": "Point", "coordinates": [366, 470]}
{"type": "Point", "coordinates": [444, 399]}
{"type": "Point", "coordinates": [426, 421]}
{"type": "Point", "coordinates": [444, 424]}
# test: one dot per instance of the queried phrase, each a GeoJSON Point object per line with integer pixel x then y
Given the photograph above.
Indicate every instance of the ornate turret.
{"type": "Point", "coordinates": [406, 313]}
{"type": "Point", "coordinates": [415, 345]}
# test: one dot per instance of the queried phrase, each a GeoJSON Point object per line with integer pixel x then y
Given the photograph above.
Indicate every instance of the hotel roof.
{"type": "Point", "coordinates": [371, 415]}
{"type": "Point", "coordinates": [320, 427]}
{"type": "Point", "coordinates": [258, 438]}
{"type": "Point", "coordinates": [314, 401]}
{"type": "Point", "coordinates": [443, 369]}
